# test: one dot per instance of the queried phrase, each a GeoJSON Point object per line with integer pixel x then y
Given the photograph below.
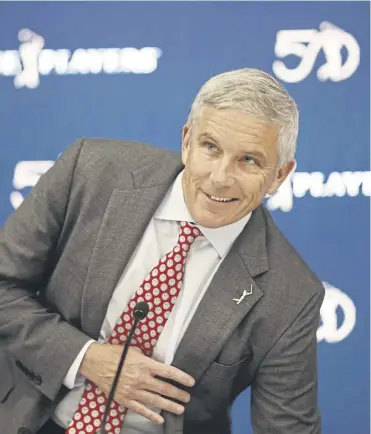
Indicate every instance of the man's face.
{"type": "Point", "coordinates": [230, 163]}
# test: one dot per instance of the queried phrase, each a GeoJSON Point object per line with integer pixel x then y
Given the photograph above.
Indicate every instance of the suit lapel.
{"type": "Point", "coordinates": [218, 314]}
{"type": "Point", "coordinates": [125, 219]}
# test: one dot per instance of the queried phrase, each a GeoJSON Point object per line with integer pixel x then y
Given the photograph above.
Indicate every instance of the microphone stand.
{"type": "Point", "coordinates": [139, 313]}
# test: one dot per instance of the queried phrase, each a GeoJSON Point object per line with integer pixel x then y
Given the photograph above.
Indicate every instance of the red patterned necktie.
{"type": "Point", "coordinates": [160, 289]}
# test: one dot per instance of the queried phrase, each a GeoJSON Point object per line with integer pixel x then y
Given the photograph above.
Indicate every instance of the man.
{"type": "Point", "coordinates": [232, 305]}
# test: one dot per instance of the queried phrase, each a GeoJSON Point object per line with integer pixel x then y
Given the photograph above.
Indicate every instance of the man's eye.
{"type": "Point", "coordinates": [247, 159]}
{"type": "Point", "coordinates": [210, 146]}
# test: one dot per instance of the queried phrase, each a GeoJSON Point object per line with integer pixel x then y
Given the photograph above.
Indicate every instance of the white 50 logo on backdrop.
{"type": "Point", "coordinates": [37, 61]}
{"type": "Point", "coordinates": [307, 44]}
{"type": "Point", "coordinates": [335, 300]}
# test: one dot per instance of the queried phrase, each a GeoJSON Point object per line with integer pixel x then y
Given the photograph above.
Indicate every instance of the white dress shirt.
{"type": "Point", "coordinates": [203, 260]}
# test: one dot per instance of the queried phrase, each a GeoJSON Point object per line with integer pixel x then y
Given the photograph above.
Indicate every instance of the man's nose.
{"type": "Point", "coordinates": [222, 174]}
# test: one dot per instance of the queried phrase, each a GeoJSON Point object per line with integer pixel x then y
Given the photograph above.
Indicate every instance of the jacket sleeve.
{"type": "Point", "coordinates": [284, 392]}
{"type": "Point", "coordinates": [39, 341]}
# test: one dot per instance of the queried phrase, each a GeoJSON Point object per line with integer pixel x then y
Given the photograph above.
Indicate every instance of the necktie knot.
{"type": "Point", "coordinates": [187, 234]}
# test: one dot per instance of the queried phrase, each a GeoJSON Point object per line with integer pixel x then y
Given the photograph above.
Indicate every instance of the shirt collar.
{"type": "Point", "coordinates": [173, 207]}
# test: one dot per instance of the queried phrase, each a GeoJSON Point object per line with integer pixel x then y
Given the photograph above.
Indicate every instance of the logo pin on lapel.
{"type": "Point", "coordinates": [245, 293]}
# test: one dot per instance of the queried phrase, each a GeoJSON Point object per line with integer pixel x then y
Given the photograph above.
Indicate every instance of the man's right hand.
{"type": "Point", "coordinates": [137, 386]}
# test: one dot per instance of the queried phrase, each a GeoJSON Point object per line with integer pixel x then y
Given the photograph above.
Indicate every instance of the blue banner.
{"type": "Point", "coordinates": [131, 70]}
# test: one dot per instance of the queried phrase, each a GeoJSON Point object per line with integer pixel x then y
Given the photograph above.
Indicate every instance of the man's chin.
{"type": "Point", "coordinates": [210, 221]}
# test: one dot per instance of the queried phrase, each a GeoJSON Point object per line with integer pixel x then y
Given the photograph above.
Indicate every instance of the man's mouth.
{"type": "Point", "coordinates": [221, 199]}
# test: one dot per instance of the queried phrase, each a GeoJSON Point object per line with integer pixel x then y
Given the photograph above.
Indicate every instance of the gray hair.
{"type": "Point", "coordinates": [257, 94]}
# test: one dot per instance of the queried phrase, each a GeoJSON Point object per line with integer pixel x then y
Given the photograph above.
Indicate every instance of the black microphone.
{"type": "Point", "coordinates": [140, 311]}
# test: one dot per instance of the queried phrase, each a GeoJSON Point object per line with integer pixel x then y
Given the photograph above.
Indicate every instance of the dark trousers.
{"type": "Point", "coordinates": [51, 428]}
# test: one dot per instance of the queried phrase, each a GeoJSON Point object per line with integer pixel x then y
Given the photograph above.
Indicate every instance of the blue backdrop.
{"type": "Point", "coordinates": [131, 70]}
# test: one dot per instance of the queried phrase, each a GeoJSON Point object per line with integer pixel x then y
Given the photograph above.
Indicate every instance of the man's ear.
{"type": "Point", "coordinates": [186, 142]}
{"type": "Point", "coordinates": [281, 175]}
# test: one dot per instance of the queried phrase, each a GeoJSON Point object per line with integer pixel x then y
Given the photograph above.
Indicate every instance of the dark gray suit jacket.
{"type": "Point", "coordinates": [63, 251]}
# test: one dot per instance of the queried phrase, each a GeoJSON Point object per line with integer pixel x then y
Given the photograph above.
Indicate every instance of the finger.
{"type": "Point", "coordinates": [162, 388]}
{"type": "Point", "coordinates": [144, 411]}
{"type": "Point", "coordinates": [158, 401]}
{"type": "Point", "coordinates": [168, 371]}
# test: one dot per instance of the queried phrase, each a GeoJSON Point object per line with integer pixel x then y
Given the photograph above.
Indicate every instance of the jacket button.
{"type": "Point", "coordinates": [24, 430]}
{"type": "Point", "coordinates": [37, 380]}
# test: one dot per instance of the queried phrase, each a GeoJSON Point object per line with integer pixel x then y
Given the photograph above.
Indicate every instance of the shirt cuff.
{"type": "Point", "coordinates": [73, 378]}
